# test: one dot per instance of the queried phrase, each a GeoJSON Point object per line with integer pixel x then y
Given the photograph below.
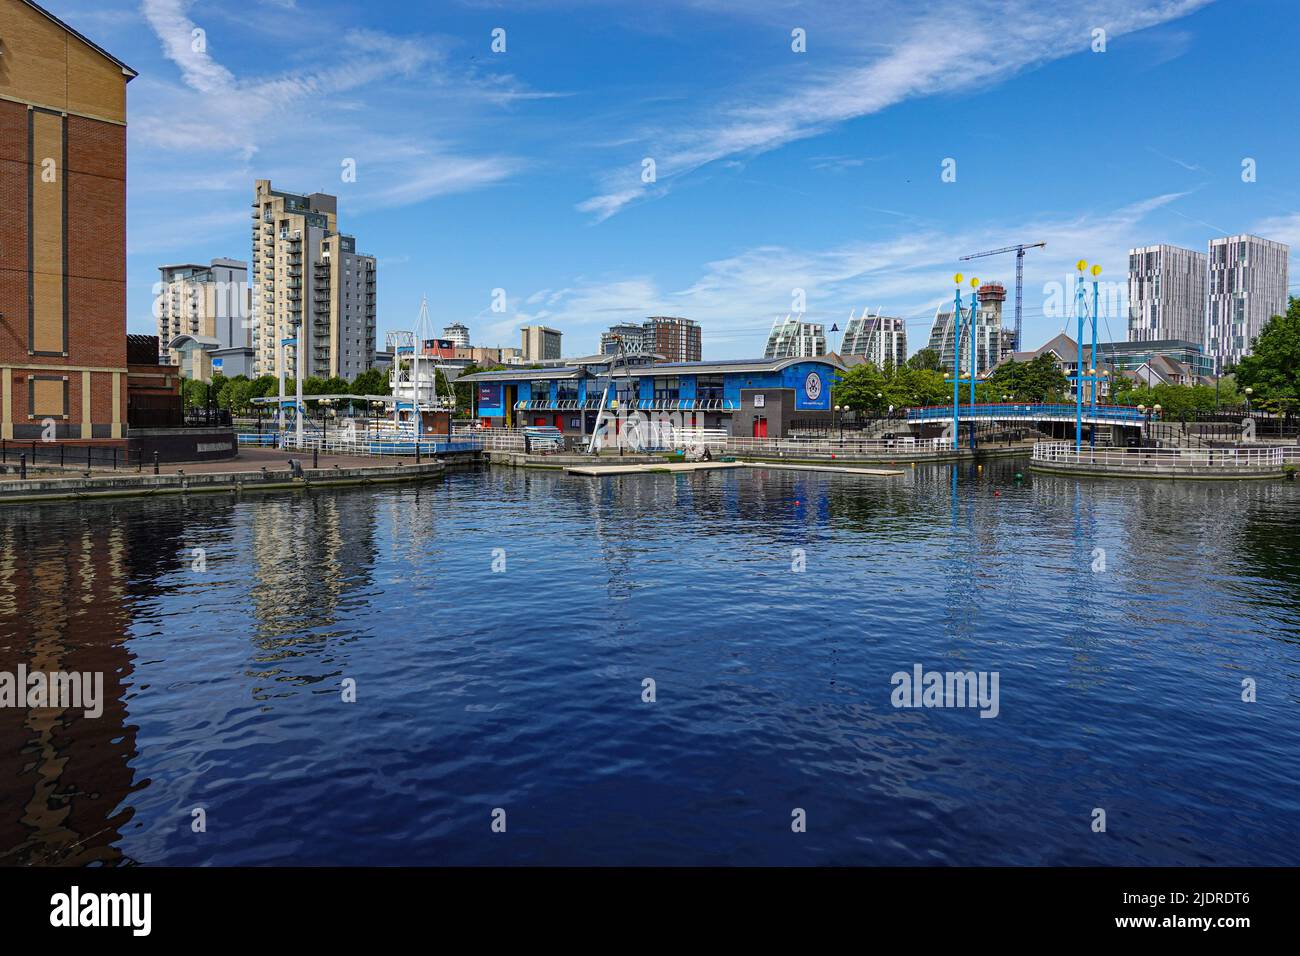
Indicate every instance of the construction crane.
{"type": "Point", "coordinates": [1019, 250]}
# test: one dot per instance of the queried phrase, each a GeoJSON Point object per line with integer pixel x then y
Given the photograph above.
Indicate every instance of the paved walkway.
{"type": "Point", "coordinates": [255, 459]}
{"type": "Point", "coordinates": [249, 460]}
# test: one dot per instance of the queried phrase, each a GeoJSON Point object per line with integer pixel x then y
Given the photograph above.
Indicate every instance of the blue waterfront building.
{"type": "Point", "coordinates": [747, 397]}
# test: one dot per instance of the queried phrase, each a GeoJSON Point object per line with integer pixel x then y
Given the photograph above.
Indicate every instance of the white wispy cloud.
{"type": "Point", "coordinates": [332, 108]}
{"type": "Point", "coordinates": [993, 39]}
{"type": "Point", "coordinates": [906, 274]}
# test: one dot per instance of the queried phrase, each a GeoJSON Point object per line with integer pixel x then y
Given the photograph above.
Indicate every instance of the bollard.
{"type": "Point", "coordinates": [155, 463]}
{"type": "Point", "coordinates": [315, 457]}
{"type": "Point", "coordinates": [22, 467]}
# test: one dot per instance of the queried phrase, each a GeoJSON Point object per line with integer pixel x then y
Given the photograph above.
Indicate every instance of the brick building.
{"type": "Point", "coordinates": [63, 232]}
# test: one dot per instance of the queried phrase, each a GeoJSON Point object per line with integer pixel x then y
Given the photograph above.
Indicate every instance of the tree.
{"type": "Point", "coordinates": [265, 386]}
{"type": "Point", "coordinates": [194, 393]}
{"type": "Point", "coordinates": [372, 381]}
{"type": "Point", "coordinates": [227, 389]}
{"type": "Point", "coordinates": [1177, 402]}
{"type": "Point", "coordinates": [859, 386]}
{"type": "Point", "coordinates": [1273, 367]}
{"type": "Point", "coordinates": [239, 395]}
{"type": "Point", "coordinates": [867, 388]}
{"type": "Point", "coordinates": [926, 360]}
{"type": "Point", "coordinates": [1039, 380]}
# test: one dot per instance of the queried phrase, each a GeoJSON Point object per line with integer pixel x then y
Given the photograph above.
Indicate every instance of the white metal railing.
{"type": "Point", "coordinates": [833, 446]}
{"type": "Point", "coordinates": [380, 446]}
{"type": "Point", "coordinates": [493, 439]}
{"type": "Point", "coordinates": [1156, 459]}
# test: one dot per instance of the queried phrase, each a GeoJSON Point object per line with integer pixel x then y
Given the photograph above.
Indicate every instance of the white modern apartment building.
{"type": "Point", "coordinates": [1166, 294]}
{"type": "Point", "coordinates": [210, 304]}
{"type": "Point", "coordinates": [629, 337]}
{"type": "Point", "coordinates": [881, 339]}
{"type": "Point", "coordinates": [1247, 286]}
{"type": "Point", "coordinates": [991, 342]}
{"type": "Point", "coordinates": [308, 278]}
{"type": "Point", "coordinates": [458, 334]}
{"type": "Point", "coordinates": [792, 338]}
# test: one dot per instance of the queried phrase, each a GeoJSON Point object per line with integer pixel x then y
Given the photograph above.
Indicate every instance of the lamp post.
{"type": "Point", "coordinates": [956, 361]}
{"type": "Point", "coordinates": [1081, 265]}
{"type": "Point", "coordinates": [1249, 392]}
{"type": "Point", "coordinates": [1092, 432]}
{"type": "Point", "coordinates": [839, 421]}
{"type": "Point", "coordinates": [974, 354]}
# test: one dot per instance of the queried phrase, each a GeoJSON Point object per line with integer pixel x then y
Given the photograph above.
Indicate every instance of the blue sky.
{"type": "Point", "coordinates": [775, 170]}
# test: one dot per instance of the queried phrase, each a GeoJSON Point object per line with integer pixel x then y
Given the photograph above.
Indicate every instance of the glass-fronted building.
{"type": "Point", "coordinates": [1129, 356]}
{"type": "Point", "coordinates": [747, 397]}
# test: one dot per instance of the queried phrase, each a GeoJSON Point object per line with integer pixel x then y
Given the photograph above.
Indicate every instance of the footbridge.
{"type": "Point", "coordinates": [1027, 413]}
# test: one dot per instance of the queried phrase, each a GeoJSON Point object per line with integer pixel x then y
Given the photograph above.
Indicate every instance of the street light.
{"type": "Point", "coordinates": [1249, 392]}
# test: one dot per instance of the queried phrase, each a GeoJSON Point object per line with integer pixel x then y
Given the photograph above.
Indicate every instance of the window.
{"type": "Point", "coordinates": [540, 391]}
{"type": "Point", "coordinates": [626, 390]}
{"type": "Point", "coordinates": [709, 388]}
{"type": "Point", "coordinates": [666, 389]}
{"type": "Point", "coordinates": [47, 397]}
{"type": "Point", "coordinates": [568, 390]}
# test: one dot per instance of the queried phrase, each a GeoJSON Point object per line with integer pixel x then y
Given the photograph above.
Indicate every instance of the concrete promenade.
{"type": "Point", "coordinates": [254, 470]}
{"type": "Point", "coordinates": [1194, 464]}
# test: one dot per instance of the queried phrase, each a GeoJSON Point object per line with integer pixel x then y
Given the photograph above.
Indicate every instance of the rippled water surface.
{"type": "Point", "coordinates": [1120, 688]}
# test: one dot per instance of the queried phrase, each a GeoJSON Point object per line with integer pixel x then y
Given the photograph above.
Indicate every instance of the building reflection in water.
{"type": "Point", "coordinates": [311, 576]}
{"type": "Point", "coordinates": [65, 596]}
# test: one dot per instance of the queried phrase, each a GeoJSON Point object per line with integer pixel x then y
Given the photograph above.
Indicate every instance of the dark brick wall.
{"type": "Point", "coordinates": [96, 262]}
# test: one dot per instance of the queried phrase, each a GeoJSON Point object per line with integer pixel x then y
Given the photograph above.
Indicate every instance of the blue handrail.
{"type": "Point", "coordinates": [1117, 413]}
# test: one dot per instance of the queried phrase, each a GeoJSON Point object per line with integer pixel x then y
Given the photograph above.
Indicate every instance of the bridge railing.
{"type": "Point", "coordinates": [1155, 459]}
{"type": "Point", "coordinates": [1115, 413]}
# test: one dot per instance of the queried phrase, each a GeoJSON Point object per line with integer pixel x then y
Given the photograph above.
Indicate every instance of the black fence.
{"type": "Point", "coordinates": [167, 411]}
{"type": "Point", "coordinates": [207, 418]}
{"type": "Point", "coordinates": [39, 454]}
{"type": "Point", "coordinates": [1226, 423]}
{"type": "Point", "coordinates": [853, 422]}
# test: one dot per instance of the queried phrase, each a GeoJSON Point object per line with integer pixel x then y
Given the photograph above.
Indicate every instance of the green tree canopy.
{"type": "Point", "coordinates": [372, 381]}
{"type": "Point", "coordinates": [1039, 380]}
{"type": "Point", "coordinates": [926, 360]}
{"type": "Point", "coordinates": [873, 390]}
{"type": "Point", "coordinates": [1273, 368]}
